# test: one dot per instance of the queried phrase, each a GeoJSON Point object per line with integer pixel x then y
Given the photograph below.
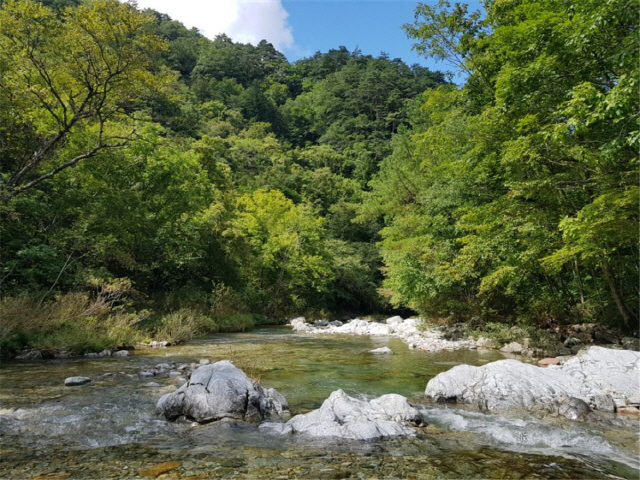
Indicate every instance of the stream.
{"type": "Point", "coordinates": [107, 428]}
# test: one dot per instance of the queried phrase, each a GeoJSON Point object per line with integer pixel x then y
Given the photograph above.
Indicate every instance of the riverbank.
{"type": "Point", "coordinates": [519, 341]}
{"type": "Point", "coordinates": [78, 324]}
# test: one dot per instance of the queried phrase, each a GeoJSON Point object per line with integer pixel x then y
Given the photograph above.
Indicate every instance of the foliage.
{"type": "Point", "coordinates": [69, 85]}
{"type": "Point", "coordinates": [75, 322]}
{"type": "Point", "coordinates": [219, 179]}
{"type": "Point", "coordinates": [526, 202]}
{"type": "Point", "coordinates": [281, 246]}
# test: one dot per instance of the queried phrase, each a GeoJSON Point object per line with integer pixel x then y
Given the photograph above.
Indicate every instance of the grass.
{"type": "Point", "coordinates": [75, 322]}
{"type": "Point", "coordinates": [88, 322]}
{"type": "Point", "coordinates": [185, 324]}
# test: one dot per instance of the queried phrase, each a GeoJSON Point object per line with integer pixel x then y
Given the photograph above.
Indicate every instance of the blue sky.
{"type": "Point", "coordinates": [373, 26]}
{"type": "Point", "coordinates": [299, 28]}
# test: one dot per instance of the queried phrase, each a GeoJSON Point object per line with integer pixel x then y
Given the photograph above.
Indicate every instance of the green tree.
{"type": "Point", "coordinates": [283, 253]}
{"type": "Point", "coordinates": [69, 84]}
{"type": "Point", "coordinates": [526, 201]}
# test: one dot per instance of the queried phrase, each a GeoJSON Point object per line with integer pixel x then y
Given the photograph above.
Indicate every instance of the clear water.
{"type": "Point", "coordinates": [107, 428]}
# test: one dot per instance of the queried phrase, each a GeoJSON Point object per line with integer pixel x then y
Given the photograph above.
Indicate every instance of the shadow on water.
{"type": "Point", "coordinates": [107, 428]}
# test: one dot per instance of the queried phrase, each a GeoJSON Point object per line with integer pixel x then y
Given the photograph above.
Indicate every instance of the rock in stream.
{"type": "Point", "coordinates": [346, 417]}
{"type": "Point", "coordinates": [222, 391]}
{"type": "Point", "coordinates": [601, 378]}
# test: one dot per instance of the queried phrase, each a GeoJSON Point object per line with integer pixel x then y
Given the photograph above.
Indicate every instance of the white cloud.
{"type": "Point", "coordinates": [247, 21]}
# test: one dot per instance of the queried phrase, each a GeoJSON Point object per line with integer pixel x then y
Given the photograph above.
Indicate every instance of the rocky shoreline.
{"type": "Point", "coordinates": [569, 340]}
{"type": "Point", "coordinates": [409, 330]}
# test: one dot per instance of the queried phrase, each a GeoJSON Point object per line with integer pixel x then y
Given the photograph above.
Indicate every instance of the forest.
{"type": "Point", "coordinates": [156, 184]}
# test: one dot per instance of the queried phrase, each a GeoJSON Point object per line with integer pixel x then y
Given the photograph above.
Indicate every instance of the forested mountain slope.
{"type": "Point", "coordinates": [209, 164]}
{"type": "Point", "coordinates": [143, 161]}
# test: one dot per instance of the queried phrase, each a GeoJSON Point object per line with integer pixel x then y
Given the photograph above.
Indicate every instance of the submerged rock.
{"type": "Point", "coordinates": [221, 391]}
{"type": "Point", "coordinates": [346, 417]}
{"type": "Point", "coordinates": [592, 377]}
{"type": "Point", "coordinates": [381, 351]}
{"type": "Point", "coordinates": [75, 381]}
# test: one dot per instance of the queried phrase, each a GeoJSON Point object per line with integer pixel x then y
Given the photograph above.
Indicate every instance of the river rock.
{"type": "Point", "coordinates": [545, 362]}
{"type": "Point", "coordinates": [221, 391]}
{"type": "Point", "coordinates": [604, 403]}
{"type": "Point", "coordinates": [484, 342]}
{"type": "Point", "coordinates": [628, 411]}
{"type": "Point", "coordinates": [572, 342]}
{"type": "Point", "coordinates": [573, 408]}
{"type": "Point", "coordinates": [631, 343]}
{"type": "Point", "coordinates": [300, 324]}
{"type": "Point", "coordinates": [381, 351]}
{"type": "Point", "coordinates": [513, 347]}
{"type": "Point", "coordinates": [394, 320]}
{"type": "Point", "coordinates": [512, 384]}
{"type": "Point", "coordinates": [75, 381]}
{"type": "Point", "coordinates": [346, 417]}
{"type": "Point", "coordinates": [29, 355]}
{"type": "Point", "coordinates": [121, 353]}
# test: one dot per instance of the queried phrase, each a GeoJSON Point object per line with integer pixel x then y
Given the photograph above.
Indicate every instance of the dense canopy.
{"type": "Point", "coordinates": [206, 172]}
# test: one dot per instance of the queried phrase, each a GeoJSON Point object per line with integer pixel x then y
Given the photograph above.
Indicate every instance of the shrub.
{"type": "Point", "coordinates": [180, 326]}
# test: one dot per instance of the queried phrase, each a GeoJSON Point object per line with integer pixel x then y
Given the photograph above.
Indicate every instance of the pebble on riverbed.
{"type": "Point", "coordinates": [75, 381]}
{"type": "Point", "coordinates": [381, 351]}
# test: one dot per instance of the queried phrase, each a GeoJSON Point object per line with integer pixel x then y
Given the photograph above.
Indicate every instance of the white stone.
{"type": "Point", "coordinates": [513, 347]}
{"type": "Point", "coordinates": [75, 381]}
{"type": "Point", "coordinates": [121, 353]}
{"type": "Point", "coordinates": [346, 417]}
{"type": "Point", "coordinates": [381, 351]}
{"type": "Point", "coordinates": [408, 330]}
{"type": "Point", "coordinates": [513, 384]}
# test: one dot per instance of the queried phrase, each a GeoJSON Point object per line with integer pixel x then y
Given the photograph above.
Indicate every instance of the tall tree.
{"type": "Point", "coordinates": [69, 85]}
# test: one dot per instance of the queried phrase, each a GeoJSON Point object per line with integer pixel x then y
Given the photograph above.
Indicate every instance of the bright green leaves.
{"type": "Point", "coordinates": [518, 193]}
{"type": "Point", "coordinates": [284, 257]}
{"type": "Point", "coordinates": [600, 229]}
{"type": "Point", "coordinates": [71, 81]}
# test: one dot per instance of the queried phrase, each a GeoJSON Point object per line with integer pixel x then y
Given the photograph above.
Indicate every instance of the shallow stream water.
{"type": "Point", "coordinates": [107, 428]}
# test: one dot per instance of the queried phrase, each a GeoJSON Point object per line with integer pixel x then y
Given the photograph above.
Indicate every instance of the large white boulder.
{"type": "Point", "coordinates": [221, 391]}
{"type": "Point", "coordinates": [346, 417]}
{"type": "Point", "coordinates": [300, 324]}
{"type": "Point", "coordinates": [594, 377]}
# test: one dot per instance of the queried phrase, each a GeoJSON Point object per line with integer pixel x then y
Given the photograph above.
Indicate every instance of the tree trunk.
{"type": "Point", "coordinates": [627, 316]}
